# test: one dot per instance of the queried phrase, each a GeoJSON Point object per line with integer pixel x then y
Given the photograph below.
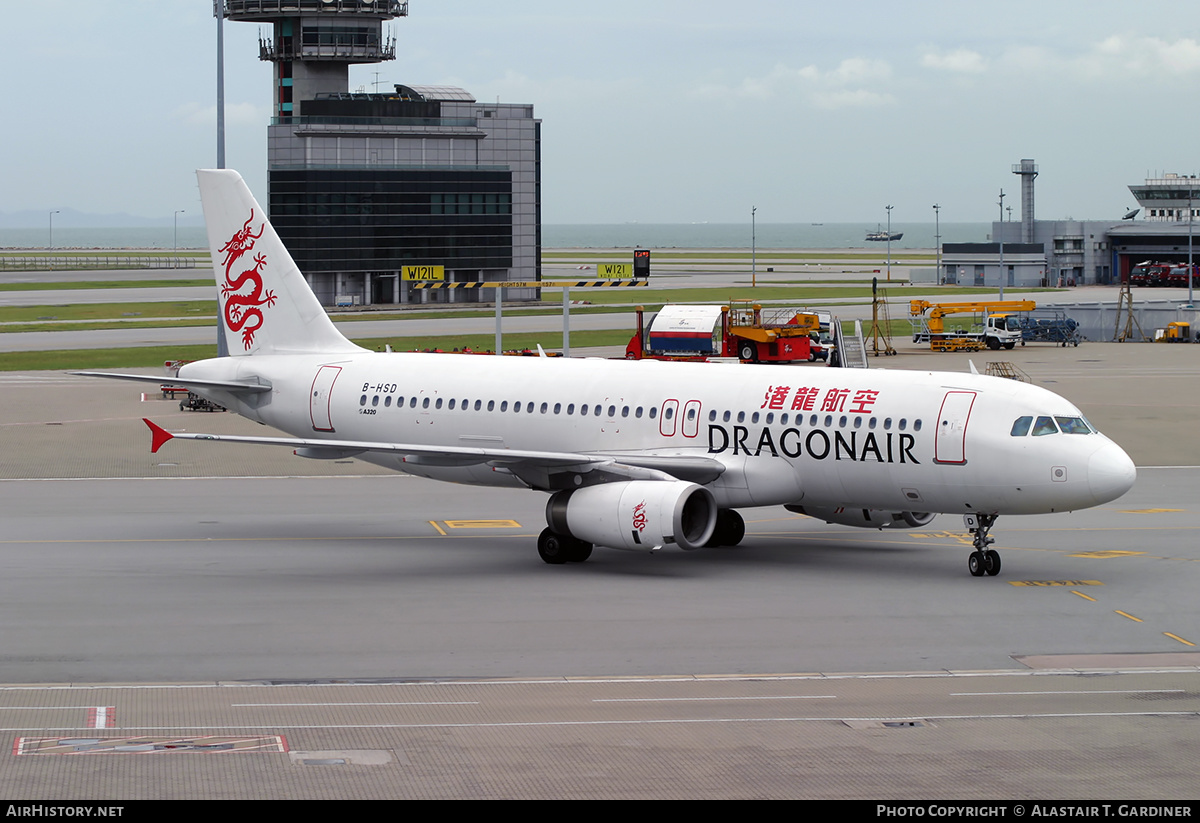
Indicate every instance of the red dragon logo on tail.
{"type": "Point", "coordinates": [240, 306]}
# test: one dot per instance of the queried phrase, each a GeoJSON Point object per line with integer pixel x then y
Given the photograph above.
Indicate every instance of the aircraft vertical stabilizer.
{"type": "Point", "coordinates": [265, 304]}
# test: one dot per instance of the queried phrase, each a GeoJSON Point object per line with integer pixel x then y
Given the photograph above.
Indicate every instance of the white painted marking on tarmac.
{"type": "Point", "coordinates": [698, 699]}
{"type": "Point", "coordinates": [642, 722]}
{"type": "Point", "coordinates": [101, 717]}
{"type": "Point", "coordinates": [324, 705]}
{"type": "Point", "coordinates": [1114, 691]}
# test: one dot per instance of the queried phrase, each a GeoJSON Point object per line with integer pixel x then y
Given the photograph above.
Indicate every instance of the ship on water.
{"type": "Point", "coordinates": [880, 235]}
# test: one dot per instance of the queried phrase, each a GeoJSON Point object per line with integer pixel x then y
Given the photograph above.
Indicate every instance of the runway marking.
{"type": "Point", "coordinates": [649, 722]}
{"type": "Point", "coordinates": [482, 524]}
{"type": "Point", "coordinates": [1130, 616]}
{"type": "Point", "coordinates": [141, 744]}
{"type": "Point", "coordinates": [323, 705]}
{"type": "Point", "coordinates": [439, 528]}
{"type": "Point", "coordinates": [1052, 583]}
{"type": "Point", "coordinates": [1180, 639]}
{"type": "Point", "coordinates": [1149, 511]}
{"type": "Point", "coordinates": [961, 538]}
{"type": "Point", "coordinates": [1113, 691]}
{"type": "Point", "coordinates": [588, 681]}
{"type": "Point", "coordinates": [703, 699]}
{"type": "Point", "coordinates": [1105, 554]}
{"type": "Point", "coordinates": [102, 717]}
{"type": "Point", "coordinates": [1084, 596]}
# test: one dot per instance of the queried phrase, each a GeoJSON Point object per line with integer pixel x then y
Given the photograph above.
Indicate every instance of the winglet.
{"type": "Point", "coordinates": [158, 436]}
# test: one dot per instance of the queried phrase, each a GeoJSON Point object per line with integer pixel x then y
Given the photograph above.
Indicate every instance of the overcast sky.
{"type": "Point", "coordinates": [667, 112]}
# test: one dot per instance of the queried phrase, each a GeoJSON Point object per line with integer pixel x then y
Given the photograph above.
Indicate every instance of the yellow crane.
{"type": "Point", "coordinates": [997, 332]}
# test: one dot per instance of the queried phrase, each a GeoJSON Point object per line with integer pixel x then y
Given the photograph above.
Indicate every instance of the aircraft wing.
{"type": "Point", "coordinates": [224, 385]}
{"type": "Point", "coordinates": [538, 468]}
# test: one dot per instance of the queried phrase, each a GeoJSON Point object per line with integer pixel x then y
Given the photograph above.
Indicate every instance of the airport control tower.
{"type": "Point", "coordinates": [314, 43]}
{"type": "Point", "coordinates": [365, 188]}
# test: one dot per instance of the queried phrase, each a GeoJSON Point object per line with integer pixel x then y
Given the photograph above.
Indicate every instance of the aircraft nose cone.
{"type": "Point", "coordinates": [1110, 473]}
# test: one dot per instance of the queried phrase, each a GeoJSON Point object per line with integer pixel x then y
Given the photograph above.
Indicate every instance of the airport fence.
{"type": "Point", "coordinates": [1103, 322]}
{"type": "Point", "coordinates": [100, 262]}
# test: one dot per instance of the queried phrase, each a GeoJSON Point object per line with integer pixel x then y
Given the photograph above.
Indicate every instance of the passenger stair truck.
{"type": "Point", "coordinates": [1000, 329]}
{"type": "Point", "coordinates": [741, 330]}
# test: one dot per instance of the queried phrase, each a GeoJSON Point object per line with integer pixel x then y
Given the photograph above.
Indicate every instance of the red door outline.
{"type": "Point", "coordinates": [666, 417]}
{"type": "Point", "coordinates": [320, 397]}
{"type": "Point", "coordinates": [950, 443]}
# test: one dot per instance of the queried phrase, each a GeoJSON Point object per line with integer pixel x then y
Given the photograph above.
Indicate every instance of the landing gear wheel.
{"type": "Point", "coordinates": [982, 560]}
{"type": "Point", "coordinates": [578, 550]}
{"type": "Point", "coordinates": [975, 563]}
{"type": "Point", "coordinates": [991, 562]}
{"type": "Point", "coordinates": [553, 547]}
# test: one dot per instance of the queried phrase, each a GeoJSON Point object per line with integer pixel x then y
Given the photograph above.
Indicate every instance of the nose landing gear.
{"type": "Point", "coordinates": [983, 560]}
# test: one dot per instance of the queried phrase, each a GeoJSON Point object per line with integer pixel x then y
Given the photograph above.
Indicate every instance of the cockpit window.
{"type": "Point", "coordinates": [1073, 425]}
{"type": "Point", "coordinates": [1021, 426]}
{"type": "Point", "coordinates": [1044, 425]}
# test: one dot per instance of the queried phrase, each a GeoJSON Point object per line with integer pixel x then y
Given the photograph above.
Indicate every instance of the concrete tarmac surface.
{"type": "Point", "coordinates": [334, 631]}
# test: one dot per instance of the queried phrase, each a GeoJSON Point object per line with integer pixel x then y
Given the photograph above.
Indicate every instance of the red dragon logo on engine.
{"type": "Point", "coordinates": [639, 516]}
{"type": "Point", "coordinates": [242, 307]}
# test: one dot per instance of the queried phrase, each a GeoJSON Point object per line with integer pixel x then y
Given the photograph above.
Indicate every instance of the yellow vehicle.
{"type": "Point", "coordinates": [999, 329]}
{"type": "Point", "coordinates": [1175, 332]}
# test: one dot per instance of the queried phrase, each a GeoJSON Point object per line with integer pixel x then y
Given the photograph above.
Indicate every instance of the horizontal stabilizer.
{"type": "Point", "coordinates": [223, 385]}
{"type": "Point", "coordinates": [158, 436]}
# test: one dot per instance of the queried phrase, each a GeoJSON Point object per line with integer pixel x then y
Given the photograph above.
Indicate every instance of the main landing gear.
{"type": "Point", "coordinates": [558, 548]}
{"type": "Point", "coordinates": [983, 560]}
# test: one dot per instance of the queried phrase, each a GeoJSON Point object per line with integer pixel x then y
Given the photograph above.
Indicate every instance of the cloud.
{"type": "Point", "coordinates": [1145, 56]}
{"type": "Point", "coordinates": [1118, 57]}
{"type": "Point", "coordinates": [963, 61]}
{"type": "Point", "coordinates": [855, 82]}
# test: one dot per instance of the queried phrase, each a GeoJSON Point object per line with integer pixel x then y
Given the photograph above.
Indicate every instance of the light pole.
{"type": "Point", "coordinates": [219, 13]}
{"type": "Point", "coordinates": [175, 244]}
{"type": "Point", "coordinates": [1190, 304]}
{"type": "Point", "coordinates": [937, 238]}
{"type": "Point", "coordinates": [753, 249]}
{"type": "Point", "coordinates": [889, 242]}
{"type": "Point", "coordinates": [56, 211]}
{"type": "Point", "coordinates": [1000, 237]}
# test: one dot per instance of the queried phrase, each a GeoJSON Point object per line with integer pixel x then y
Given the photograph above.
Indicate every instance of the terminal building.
{"type": "Point", "coordinates": [363, 185]}
{"type": "Point", "coordinates": [1077, 252]}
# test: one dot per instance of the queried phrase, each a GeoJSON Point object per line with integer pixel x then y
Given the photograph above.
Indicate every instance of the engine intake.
{"type": "Point", "coordinates": [642, 515]}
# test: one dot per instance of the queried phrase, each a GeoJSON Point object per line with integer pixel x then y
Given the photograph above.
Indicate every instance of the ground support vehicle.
{"type": "Point", "coordinates": [742, 330]}
{"type": "Point", "coordinates": [998, 329]}
{"type": "Point", "coordinates": [1175, 332]}
{"type": "Point", "coordinates": [1048, 326]}
{"type": "Point", "coordinates": [194, 402]}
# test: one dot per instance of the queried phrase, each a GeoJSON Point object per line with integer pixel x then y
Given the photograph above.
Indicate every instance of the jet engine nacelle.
{"type": "Point", "coordinates": [866, 518]}
{"type": "Point", "coordinates": [638, 514]}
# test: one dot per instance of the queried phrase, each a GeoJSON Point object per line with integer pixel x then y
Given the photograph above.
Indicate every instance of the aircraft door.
{"type": "Point", "coordinates": [690, 424]}
{"type": "Point", "coordinates": [666, 418]}
{"type": "Point", "coordinates": [950, 444]}
{"type": "Point", "coordinates": [320, 397]}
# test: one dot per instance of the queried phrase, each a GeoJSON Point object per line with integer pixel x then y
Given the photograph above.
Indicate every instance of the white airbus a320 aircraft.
{"type": "Point", "coordinates": [640, 455]}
